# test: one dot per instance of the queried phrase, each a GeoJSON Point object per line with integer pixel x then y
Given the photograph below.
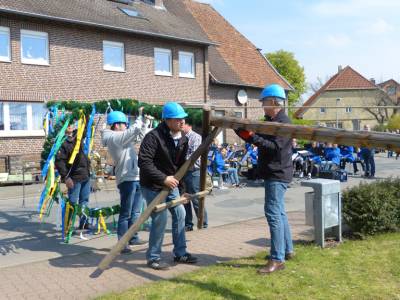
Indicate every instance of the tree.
{"type": "Point", "coordinates": [382, 115]}
{"type": "Point", "coordinates": [287, 65]}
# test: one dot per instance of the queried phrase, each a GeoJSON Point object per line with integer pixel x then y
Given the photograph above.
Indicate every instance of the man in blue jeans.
{"type": "Point", "coordinates": [276, 168]}
{"type": "Point", "coordinates": [119, 141]}
{"type": "Point", "coordinates": [162, 153]}
{"type": "Point", "coordinates": [76, 176]}
{"type": "Point", "coordinates": [192, 179]}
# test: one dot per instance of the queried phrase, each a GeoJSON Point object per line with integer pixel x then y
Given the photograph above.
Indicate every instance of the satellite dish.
{"type": "Point", "coordinates": [242, 96]}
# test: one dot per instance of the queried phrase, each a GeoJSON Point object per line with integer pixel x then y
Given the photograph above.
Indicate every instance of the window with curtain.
{"type": "Point", "coordinates": [113, 56]}
{"type": "Point", "coordinates": [38, 111]}
{"type": "Point", "coordinates": [163, 62]}
{"type": "Point", "coordinates": [34, 47]}
{"type": "Point", "coordinates": [18, 116]}
{"type": "Point", "coordinates": [186, 64]}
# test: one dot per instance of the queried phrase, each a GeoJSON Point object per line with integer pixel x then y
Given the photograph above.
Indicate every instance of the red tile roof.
{"type": "Point", "coordinates": [346, 79]}
{"type": "Point", "coordinates": [235, 60]}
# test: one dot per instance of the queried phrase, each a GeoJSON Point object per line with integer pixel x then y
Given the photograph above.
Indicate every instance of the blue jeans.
{"type": "Point", "coordinates": [274, 208]}
{"type": "Point", "coordinates": [79, 194]}
{"type": "Point", "coordinates": [369, 159]}
{"type": "Point", "coordinates": [159, 222]}
{"type": "Point", "coordinates": [192, 184]}
{"type": "Point", "coordinates": [233, 176]}
{"type": "Point", "coordinates": [131, 204]}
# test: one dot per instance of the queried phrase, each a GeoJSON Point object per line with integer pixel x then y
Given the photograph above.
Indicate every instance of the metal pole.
{"type": "Point", "coordinates": [23, 186]}
{"type": "Point", "coordinates": [203, 165]}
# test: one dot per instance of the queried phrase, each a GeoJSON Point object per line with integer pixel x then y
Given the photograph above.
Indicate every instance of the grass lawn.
{"type": "Point", "coordinates": [368, 269]}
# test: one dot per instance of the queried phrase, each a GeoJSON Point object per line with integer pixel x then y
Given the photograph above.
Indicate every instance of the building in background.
{"type": "Point", "coordinates": [347, 89]}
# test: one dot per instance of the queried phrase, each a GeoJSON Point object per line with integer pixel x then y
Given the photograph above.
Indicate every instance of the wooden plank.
{"type": "Point", "coordinates": [181, 200]}
{"type": "Point", "coordinates": [368, 139]}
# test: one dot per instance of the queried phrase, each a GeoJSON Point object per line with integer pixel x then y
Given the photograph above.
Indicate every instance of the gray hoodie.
{"type": "Point", "coordinates": [120, 145]}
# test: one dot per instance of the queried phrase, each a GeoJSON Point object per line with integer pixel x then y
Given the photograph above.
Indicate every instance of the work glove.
{"type": "Point", "coordinates": [244, 134]}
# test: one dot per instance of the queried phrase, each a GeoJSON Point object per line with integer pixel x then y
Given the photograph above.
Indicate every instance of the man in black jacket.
{"type": "Point", "coordinates": [76, 176]}
{"type": "Point", "coordinates": [276, 168]}
{"type": "Point", "coordinates": [162, 153]}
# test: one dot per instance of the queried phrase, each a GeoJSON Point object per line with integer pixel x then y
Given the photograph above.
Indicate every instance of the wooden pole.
{"type": "Point", "coordinates": [322, 134]}
{"type": "Point", "coordinates": [181, 200]}
{"type": "Point", "coordinates": [116, 250]}
{"type": "Point", "coordinates": [203, 165]}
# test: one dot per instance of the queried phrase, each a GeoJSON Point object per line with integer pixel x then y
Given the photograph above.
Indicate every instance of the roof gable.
{"type": "Point", "coordinates": [234, 60]}
{"type": "Point", "coordinates": [390, 81]}
{"type": "Point", "coordinates": [346, 79]}
{"type": "Point", "coordinates": [105, 14]}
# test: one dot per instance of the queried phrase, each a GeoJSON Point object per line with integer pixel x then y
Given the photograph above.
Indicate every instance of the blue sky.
{"type": "Point", "coordinates": [323, 34]}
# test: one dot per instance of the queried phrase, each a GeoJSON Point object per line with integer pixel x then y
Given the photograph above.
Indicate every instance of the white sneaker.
{"type": "Point", "coordinates": [301, 175]}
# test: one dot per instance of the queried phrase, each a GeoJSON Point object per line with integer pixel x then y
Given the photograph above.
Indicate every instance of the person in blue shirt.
{"type": "Point", "coordinates": [347, 153]}
{"type": "Point", "coordinates": [332, 156]}
{"type": "Point", "coordinates": [368, 156]}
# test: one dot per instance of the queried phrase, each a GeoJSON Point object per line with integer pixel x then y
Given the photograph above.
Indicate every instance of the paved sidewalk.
{"type": "Point", "coordinates": [68, 277]}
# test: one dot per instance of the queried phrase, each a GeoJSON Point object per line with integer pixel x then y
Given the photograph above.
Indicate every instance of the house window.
{"type": "Point", "coordinates": [186, 64]}
{"type": "Point", "coordinates": [21, 119]}
{"type": "Point", "coordinates": [5, 52]}
{"type": "Point", "coordinates": [162, 62]}
{"type": "Point", "coordinates": [322, 110]}
{"type": "Point", "coordinates": [238, 114]}
{"type": "Point", "coordinates": [34, 47]}
{"type": "Point", "coordinates": [113, 56]}
{"type": "Point", "coordinates": [18, 116]}
{"type": "Point", "coordinates": [349, 109]}
{"type": "Point", "coordinates": [391, 90]}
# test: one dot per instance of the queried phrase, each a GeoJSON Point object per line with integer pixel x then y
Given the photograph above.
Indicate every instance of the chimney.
{"type": "Point", "coordinates": [372, 80]}
{"type": "Point", "coordinates": [339, 68]}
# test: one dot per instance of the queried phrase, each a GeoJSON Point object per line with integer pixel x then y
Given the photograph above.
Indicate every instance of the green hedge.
{"type": "Point", "coordinates": [373, 208]}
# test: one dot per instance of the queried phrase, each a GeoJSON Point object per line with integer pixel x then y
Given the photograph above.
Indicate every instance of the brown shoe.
{"type": "Point", "coordinates": [271, 266]}
{"type": "Point", "coordinates": [289, 256]}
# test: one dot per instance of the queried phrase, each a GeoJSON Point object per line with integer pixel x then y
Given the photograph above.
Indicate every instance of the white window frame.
{"type": "Point", "coordinates": [349, 109]}
{"type": "Point", "coordinates": [37, 34]}
{"type": "Point", "coordinates": [322, 110]}
{"type": "Point", "coordinates": [115, 45]}
{"type": "Point", "coordinates": [165, 51]}
{"type": "Point", "coordinates": [7, 31]}
{"type": "Point", "coordinates": [187, 75]}
{"type": "Point", "coordinates": [7, 132]}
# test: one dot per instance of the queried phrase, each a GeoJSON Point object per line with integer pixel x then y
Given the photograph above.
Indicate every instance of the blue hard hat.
{"type": "Point", "coordinates": [273, 90]}
{"type": "Point", "coordinates": [116, 117]}
{"type": "Point", "coordinates": [173, 110]}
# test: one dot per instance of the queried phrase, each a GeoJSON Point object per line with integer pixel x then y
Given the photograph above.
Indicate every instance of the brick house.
{"type": "Point", "coordinates": [90, 50]}
{"type": "Point", "coordinates": [345, 89]}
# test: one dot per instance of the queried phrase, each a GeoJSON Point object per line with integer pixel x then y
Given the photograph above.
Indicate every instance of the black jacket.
{"type": "Point", "coordinates": [274, 153]}
{"type": "Point", "coordinates": [159, 157]}
{"type": "Point", "coordinates": [79, 171]}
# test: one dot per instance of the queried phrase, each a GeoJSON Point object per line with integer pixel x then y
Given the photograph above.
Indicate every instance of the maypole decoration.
{"type": "Point", "coordinates": [56, 121]}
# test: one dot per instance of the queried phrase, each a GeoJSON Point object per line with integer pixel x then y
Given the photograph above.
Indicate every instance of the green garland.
{"type": "Point", "coordinates": [128, 106]}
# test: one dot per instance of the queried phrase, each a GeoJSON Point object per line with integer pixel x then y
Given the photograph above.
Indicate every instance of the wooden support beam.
{"type": "Point", "coordinates": [181, 200]}
{"type": "Point", "coordinates": [368, 139]}
{"type": "Point", "coordinates": [203, 165]}
{"type": "Point", "coordinates": [116, 250]}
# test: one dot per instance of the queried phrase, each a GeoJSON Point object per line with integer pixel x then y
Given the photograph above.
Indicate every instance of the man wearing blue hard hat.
{"type": "Point", "coordinates": [119, 141]}
{"type": "Point", "coordinates": [276, 168]}
{"type": "Point", "coordinates": [162, 152]}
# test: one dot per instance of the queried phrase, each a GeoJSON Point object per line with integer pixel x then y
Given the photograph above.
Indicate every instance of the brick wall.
{"type": "Point", "coordinates": [225, 96]}
{"type": "Point", "coordinates": [76, 71]}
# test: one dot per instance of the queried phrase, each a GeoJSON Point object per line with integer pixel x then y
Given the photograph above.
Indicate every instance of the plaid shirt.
{"type": "Point", "coordinates": [194, 143]}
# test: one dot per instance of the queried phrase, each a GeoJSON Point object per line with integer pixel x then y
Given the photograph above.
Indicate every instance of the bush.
{"type": "Point", "coordinates": [394, 122]}
{"type": "Point", "coordinates": [372, 208]}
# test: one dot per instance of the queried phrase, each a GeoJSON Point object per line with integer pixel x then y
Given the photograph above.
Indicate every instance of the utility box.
{"type": "Point", "coordinates": [324, 208]}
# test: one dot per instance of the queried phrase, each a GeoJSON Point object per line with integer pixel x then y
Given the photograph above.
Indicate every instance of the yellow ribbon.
{"type": "Point", "coordinates": [81, 128]}
{"type": "Point", "coordinates": [53, 185]}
